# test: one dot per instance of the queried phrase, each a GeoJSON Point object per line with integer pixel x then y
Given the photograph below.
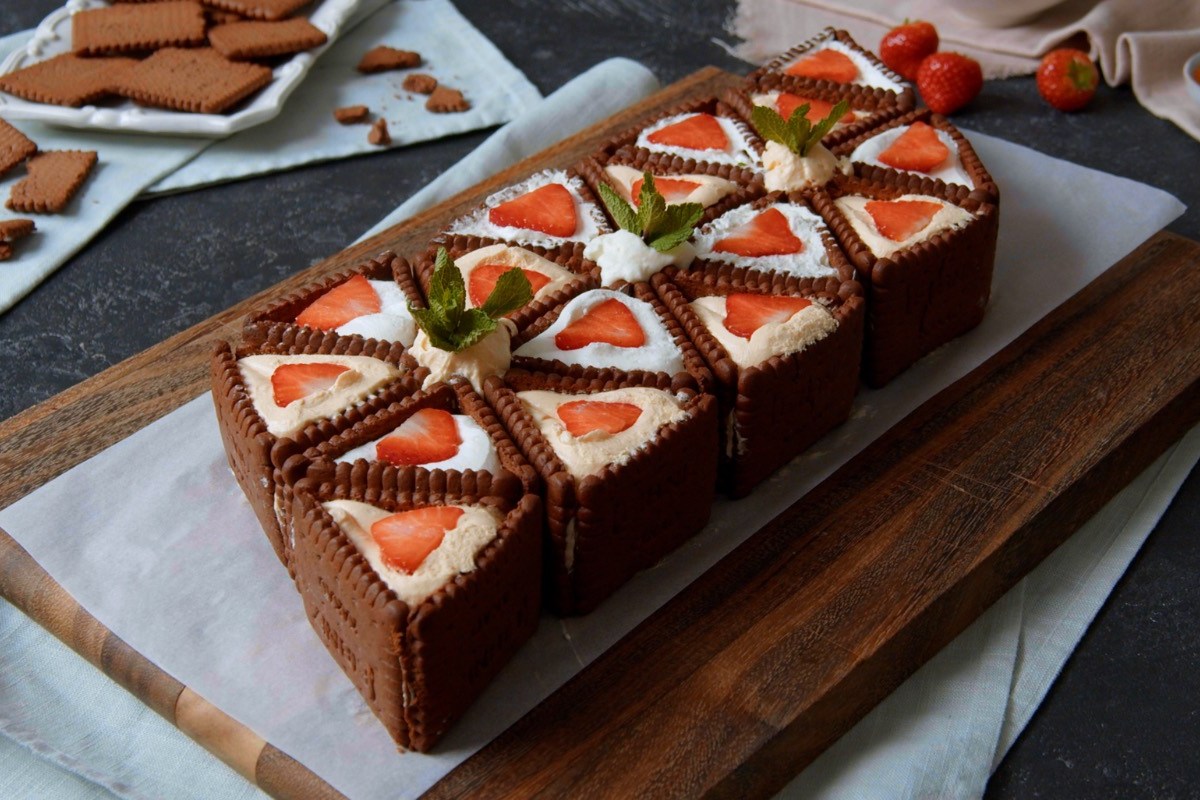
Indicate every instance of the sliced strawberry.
{"type": "Point", "coordinates": [342, 303]}
{"type": "Point", "coordinates": [829, 65]}
{"type": "Point", "coordinates": [406, 539]}
{"type": "Point", "coordinates": [428, 436]}
{"type": "Point", "coordinates": [584, 416]}
{"type": "Point", "coordinates": [900, 219]}
{"type": "Point", "coordinates": [767, 234]}
{"type": "Point", "coordinates": [549, 209]}
{"type": "Point", "coordinates": [292, 382]}
{"type": "Point", "coordinates": [673, 190]}
{"type": "Point", "coordinates": [918, 149]}
{"type": "Point", "coordinates": [818, 109]}
{"type": "Point", "coordinates": [610, 322]}
{"type": "Point", "coordinates": [697, 132]}
{"type": "Point", "coordinates": [484, 277]}
{"type": "Point", "coordinates": [746, 313]}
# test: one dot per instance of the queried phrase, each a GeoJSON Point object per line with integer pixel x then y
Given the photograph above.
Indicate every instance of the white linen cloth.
{"type": "Point", "coordinates": [304, 132]}
{"type": "Point", "coordinates": [192, 568]}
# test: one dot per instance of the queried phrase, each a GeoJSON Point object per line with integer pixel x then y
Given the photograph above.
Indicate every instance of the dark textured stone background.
{"type": "Point", "coordinates": [1123, 720]}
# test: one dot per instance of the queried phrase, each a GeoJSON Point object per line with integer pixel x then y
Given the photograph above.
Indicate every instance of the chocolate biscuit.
{"type": "Point", "coordinates": [258, 9]}
{"type": "Point", "coordinates": [198, 79]}
{"type": "Point", "coordinates": [384, 58]}
{"type": "Point", "coordinates": [239, 41]}
{"type": "Point", "coordinates": [445, 100]}
{"type": "Point", "coordinates": [137, 28]}
{"type": "Point", "coordinates": [54, 178]}
{"type": "Point", "coordinates": [15, 147]}
{"type": "Point", "coordinates": [67, 79]}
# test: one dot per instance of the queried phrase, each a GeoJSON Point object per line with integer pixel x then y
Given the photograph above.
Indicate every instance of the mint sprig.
{"type": "Point", "coordinates": [795, 133]}
{"type": "Point", "coordinates": [448, 323]}
{"type": "Point", "coordinates": [661, 226]}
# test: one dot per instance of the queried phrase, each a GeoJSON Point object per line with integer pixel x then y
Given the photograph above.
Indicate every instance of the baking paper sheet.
{"type": "Point", "coordinates": [166, 561]}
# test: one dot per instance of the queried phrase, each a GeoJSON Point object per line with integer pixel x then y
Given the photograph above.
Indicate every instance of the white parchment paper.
{"type": "Point", "coordinates": [176, 565]}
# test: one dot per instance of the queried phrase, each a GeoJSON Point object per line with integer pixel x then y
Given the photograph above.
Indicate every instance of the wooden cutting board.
{"type": "Point", "coordinates": [762, 663]}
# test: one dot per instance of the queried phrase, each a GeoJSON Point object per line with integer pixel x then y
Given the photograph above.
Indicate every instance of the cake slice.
{"type": "Point", "coordinates": [703, 131]}
{"type": "Point", "coordinates": [552, 209]}
{"type": "Point", "coordinates": [831, 59]}
{"type": "Point", "coordinates": [603, 330]}
{"type": "Point", "coordinates": [924, 145]}
{"type": "Point", "coordinates": [420, 596]}
{"type": "Point", "coordinates": [924, 250]}
{"type": "Point", "coordinates": [369, 302]}
{"type": "Point", "coordinates": [629, 468]}
{"type": "Point", "coordinates": [786, 361]}
{"type": "Point", "coordinates": [272, 390]}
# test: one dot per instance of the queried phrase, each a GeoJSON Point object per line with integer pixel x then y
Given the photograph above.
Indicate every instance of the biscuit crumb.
{"type": "Point", "coordinates": [348, 115]}
{"type": "Point", "coordinates": [446, 100]}
{"type": "Point", "coordinates": [384, 58]}
{"type": "Point", "coordinates": [379, 133]}
{"type": "Point", "coordinates": [420, 83]}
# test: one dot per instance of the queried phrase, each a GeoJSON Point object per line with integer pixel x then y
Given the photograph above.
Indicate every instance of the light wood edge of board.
{"type": "Point", "coordinates": [111, 405]}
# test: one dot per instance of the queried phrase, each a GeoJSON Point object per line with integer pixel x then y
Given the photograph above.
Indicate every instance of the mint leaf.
{"type": "Point", "coordinates": [447, 293]}
{"type": "Point", "coordinates": [623, 213]}
{"type": "Point", "coordinates": [650, 205]}
{"type": "Point", "coordinates": [512, 291]}
{"type": "Point", "coordinates": [824, 126]}
{"type": "Point", "coordinates": [770, 125]}
{"type": "Point", "coordinates": [435, 327]}
{"type": "Point", "coordinates": [677, 225]}
{"type": "Point", "coordinates": [474, 325]}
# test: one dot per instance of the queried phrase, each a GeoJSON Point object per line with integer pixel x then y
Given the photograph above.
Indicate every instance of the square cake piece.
{"type": "Point", "coordinates": [705, 131]}
{"type": "Point", "coordinates": [786, 359]}
{"type": "Point", "coordinates": [924, 251]}
{"type": "Point", "coordinates": [420, 597]}
{"type": "Point", "coordinates": [297, 377]}
{"type": "Point", "coordinates": [629, 468]}
{"type": "Point", "coordinates": [370, 302]}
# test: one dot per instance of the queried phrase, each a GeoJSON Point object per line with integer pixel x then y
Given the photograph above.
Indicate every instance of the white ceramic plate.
{"type": "Point", "coordinates": [53, 37]}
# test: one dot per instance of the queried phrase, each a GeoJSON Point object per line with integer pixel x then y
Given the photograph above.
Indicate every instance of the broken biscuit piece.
{"type": "Point", "coordinates": [384, 58]}
{"type": "Point", "coordinates": [348, 115]}
{"type": "Point", "coordinates": [10, 231]}
{"type": "Point", "coordinates": [420, 83]}
{"type": "Point", "coordinates": [379, 133]}
{"type": "Point", "coordinates": [445, 100]}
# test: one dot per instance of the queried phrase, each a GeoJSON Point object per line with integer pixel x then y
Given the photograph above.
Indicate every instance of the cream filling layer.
{"type": "Point", "coordinates": [589, 220]}
{"type": "Point", "coordinates": [868, 73]}
{"type": "Point", "coordinates": [710, 188]}
{"type": "Point", "coordinates": [950, 171]}
{"type": "Point", "coordinates": [786, 171]}
{"type": "Point", "coordinates": [454, 556]}
{"type": "Point", "coordinates": [391, 323]}
{"type": "Point", "coordinates": [737, 152]}
{"type": "Point", "coordinates": [363, 377]}
{"type": "Point", "coordinates": [588, 454]}
{"type": "Point", "coordinates": [624, 256]}
{"type": "Point", "coordinates": [806, 326]}
{"type": "Point", "coordinates": [476, 452]}
{"type": "Point", "coordinates": [811, 262]}
{"type": "Point", "coordinates": [854, 207]}
{"type": "Point", "coordinates": [518, 257]}
{"type": "Point", "coordinates": [659, 353]}
{"type": "Point", "coordinates": [489, 356]}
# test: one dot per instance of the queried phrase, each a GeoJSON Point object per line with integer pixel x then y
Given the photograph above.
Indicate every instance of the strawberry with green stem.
{"type": "Point", "coordinates": [449, 323]}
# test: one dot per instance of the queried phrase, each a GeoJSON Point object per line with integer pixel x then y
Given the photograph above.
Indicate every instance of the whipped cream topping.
{"type": "Point", "coordinates": [808, 325]}
{"type": "Point", "coordinates": [476, 452]}
{"type": "Point", "coordinates": [489, 356]}
{"type": "Point", "coordinates": [363, 376]}
{"type": "Point", "coordinates": [868, 73]}
{"type": "Point", "coordinates": [949, 217]}
{"type": "Point", "coordinates": [476, 527]}
{"type": "Point", "coordinates": [811, 262]}
{"type": "Point", "coordinates": [391, 323]}
{"type": "Point", "coordinates": [590, 220]}
{"type": "Point", "coordinates": [624, 256]}
{"type": "Point", "coordinates": [950, 171]}
{"type": "Point", "coordinates": [785, 171]}
{"type": "Point", "coordinates": [710, 188]}
{"type": "Point", "coordinates": [588, 454]}
{"type": "Point", "coordinates": [738, 152]}
{"type": "Point", "coordinates": [658, 354]}
{"type": "Point", "coordinates": [518, 257]}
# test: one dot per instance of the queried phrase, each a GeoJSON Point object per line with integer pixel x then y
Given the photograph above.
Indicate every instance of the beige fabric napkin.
{"type": "Point", "coordinates": [1143, 44]}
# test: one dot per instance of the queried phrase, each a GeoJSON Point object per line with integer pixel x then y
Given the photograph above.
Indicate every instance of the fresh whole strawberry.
{"type": "Point", "coordinates": [904, 47]}
{"type": "Point", "coordinates": [1067, 79]}
{"type": "Point", "coordinates": [948, 81]}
